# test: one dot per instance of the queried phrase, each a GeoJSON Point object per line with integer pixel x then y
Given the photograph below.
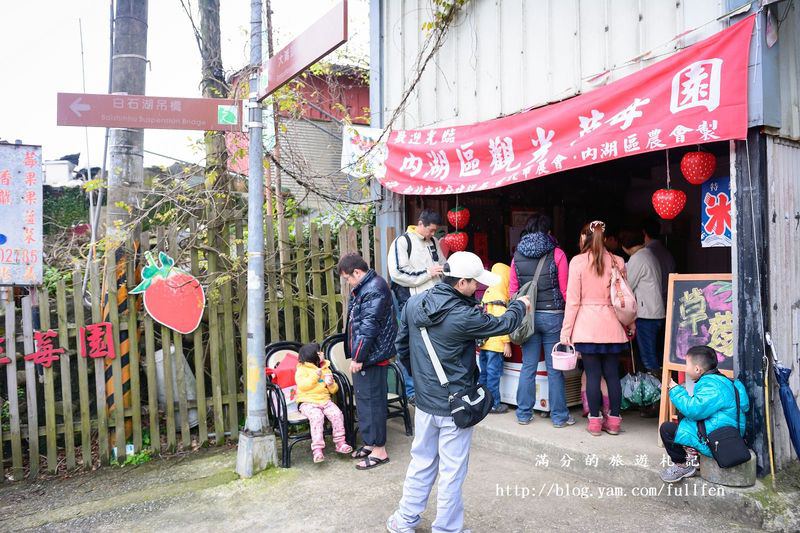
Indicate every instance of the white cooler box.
{"type": "Point", "coordinates": [510, 381]}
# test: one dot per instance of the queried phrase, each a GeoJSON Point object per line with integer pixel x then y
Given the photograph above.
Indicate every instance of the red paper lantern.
{"type": "Point", "coordinates": [458, 217]}
{"type": "Point", "coordinates": [456, 242]}
{"type": "Point", "coordinates": [668, 203]}
{"type": "Point", "coordinates": [697, 167]}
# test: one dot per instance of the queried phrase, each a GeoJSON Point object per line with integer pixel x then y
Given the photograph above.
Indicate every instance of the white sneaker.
{"type": "Point", "coordinates": [393, 527]}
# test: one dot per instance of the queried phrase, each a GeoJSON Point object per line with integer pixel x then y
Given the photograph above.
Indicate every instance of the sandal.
{"type": "Point", "coordinates": [318, 456]}
{"type": "Point", "coordinates": [361, 453]}
{"type": "Point", "coordinates": [371, 462]}
{"type": "Point", "coordinates": [343, 448]}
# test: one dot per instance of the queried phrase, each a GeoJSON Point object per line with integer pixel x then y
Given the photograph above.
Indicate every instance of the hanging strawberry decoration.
{"type": "Point", "coordinates": [458, 217]}
{"type": "Point", "coordinates": [171, 296]}
{"type": "Point", "coordinates": [668, 203]}
{"type": "Point", "coordinates": [456, 241]}
{"type": "Point", "coordinates": [697, 167]}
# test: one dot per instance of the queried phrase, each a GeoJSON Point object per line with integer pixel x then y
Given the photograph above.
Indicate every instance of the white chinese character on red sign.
{"type": "Point", "coordinates": [412, 164]}
{"type": "Point", "coordinates": [679, 133]}
{"type": "Point", "coordinates": [558, 160]}
{"type": "Point", "coordinates": [161, 105]}
{"type": "Point", "coordinates": [589, 124]}
{"type": "Point", "coordinates": [118, 103]}
{"type": "Point", "coordinates": [469, 163]}
{"type": "Point", "coordinates": [400, 137]}
{"type": "Point", "coordinates": [502, 151]}
{"type": "Point", "coordinates": [449, 136]}
{"type": "Point", "coordinates": [608, 149]}
{"type": "Point", "coordinates": [708, 130]}
{"type": "Point", "coordinates": [133, 104]}
{"type": "Point", "coordinates": [697, 85]}
{"type": "Point", "coordinates": [629, 114]}
{"type": "Point", "coordinates": [630, 143]}
{"type": "Point", "coordinates": [653, 140]}
{"type": "Point", "coordinates": [541, 168]}
{"type": "Point", "coordinates": [589, 153]}
{"type": "Point", "coordinates": [147, 104]}
{"type": "Point", "coordinates": [430, 139]}
{"type": "Point", "coordinates": [544, 142]}
{"type": "Point", "coordinates": [5, 178]}
{"type": "Point", "coordinates": [175, 105]}
{"type": "Point", "coordinates": [438, 166]}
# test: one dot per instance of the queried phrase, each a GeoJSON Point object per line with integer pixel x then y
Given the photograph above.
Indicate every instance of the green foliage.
{"type": "Point", "coordinates": [354, 216]}
{"type": "Point", "coordinates": [138, 458]}
{"type": "Point", "coordinates": [52, 275]}
{"type": "Point", "coordinates": [443, 11]}
{"type": "Point", "coordinates": [63, 208]}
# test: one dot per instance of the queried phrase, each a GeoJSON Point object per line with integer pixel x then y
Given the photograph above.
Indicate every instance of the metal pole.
{"type": "Point", "coordinates": [256, 444]}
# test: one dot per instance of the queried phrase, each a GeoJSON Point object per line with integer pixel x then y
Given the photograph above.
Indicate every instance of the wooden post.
{"type": "Point", "coordinates": [179, 366]}
{"type": "Point", "coordinates": [11, 380]}
{"type": "Point", "coordinates": [30, 388]}
{"type": "Point", "coordinates": [316, 283]}
{"type": "Point", "coordinates": [83, 373]}
{"type": "Point", "coordinates": [286, 282]}
{"type": "Point", "coordinates": [330, 283]}
{"type": "Point", "coordinates": [302, 289]}
{"type": "Point", "coordinates": [199, 353]}
{"type": "Point", "coordinates": [49, 390]}
{"type": "Point", "coordinates": [133, 343]}
{"type": "Point", "coordinates": [66, 384]}
{"type": "Point", "coordinates": [99, 370]}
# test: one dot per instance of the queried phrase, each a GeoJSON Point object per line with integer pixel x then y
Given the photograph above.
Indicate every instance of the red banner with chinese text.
{"type": "Point", "coordinates": [698, 95]}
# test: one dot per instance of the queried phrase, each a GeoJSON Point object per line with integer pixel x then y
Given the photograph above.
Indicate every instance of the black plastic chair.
{"type": "Point", "coordinates": [397, 401]}
{"type": "Point", "coordinates": [284, 422]}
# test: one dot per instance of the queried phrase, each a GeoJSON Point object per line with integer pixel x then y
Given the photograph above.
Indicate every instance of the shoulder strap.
{"type": "Point", "coordinates": [533, 288]}
{"type": "Point", "coordinates": [437, 365]}
{"type": "Point", "coordinates": [408, 243]}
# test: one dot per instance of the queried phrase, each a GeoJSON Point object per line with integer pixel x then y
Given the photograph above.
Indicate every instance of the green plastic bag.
{"type": "Point", "coordinates": [640, 390]}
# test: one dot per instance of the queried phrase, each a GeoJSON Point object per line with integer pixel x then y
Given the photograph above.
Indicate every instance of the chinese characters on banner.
{"type": "Point", "coordinates": [97, 342]}
{"type": "Point", "coordinates": [702, 314]}
{"type": "Point", "coordinates": [20, 214]}
{"type": "Point", "coordinates": [715, 213]}
{"type": "Point", "coordinates": [696, 96]}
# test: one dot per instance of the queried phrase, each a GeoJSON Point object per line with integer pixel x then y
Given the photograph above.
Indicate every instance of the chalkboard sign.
{"type": "Point", "coordinates": [699, 312]}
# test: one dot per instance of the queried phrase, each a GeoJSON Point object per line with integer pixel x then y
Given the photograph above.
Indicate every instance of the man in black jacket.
{"type": "Point", "coordinates": [370, 332]}
{"type": "Point", "coordinates": [454, 321]}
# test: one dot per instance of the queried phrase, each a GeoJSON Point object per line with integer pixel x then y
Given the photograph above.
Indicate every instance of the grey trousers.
{"type": "Point", "coordinates": [440, 447]}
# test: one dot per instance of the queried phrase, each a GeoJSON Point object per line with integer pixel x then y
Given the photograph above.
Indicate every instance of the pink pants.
{"type": "Point", "coordinates": [316, 414]}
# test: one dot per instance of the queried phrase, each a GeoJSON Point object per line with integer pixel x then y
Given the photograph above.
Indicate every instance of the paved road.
{"type": "Point", "coordinates": [199, 493]}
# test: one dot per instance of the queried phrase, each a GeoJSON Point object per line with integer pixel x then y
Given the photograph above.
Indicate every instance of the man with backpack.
{"type": "Point", "coordinates": [415, 265]}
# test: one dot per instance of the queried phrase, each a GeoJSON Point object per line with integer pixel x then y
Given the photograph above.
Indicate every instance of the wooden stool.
{"type": "Point", "coordinates": [743, 475]}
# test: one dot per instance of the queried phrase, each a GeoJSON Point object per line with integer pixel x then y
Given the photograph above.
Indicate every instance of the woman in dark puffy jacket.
{"type": "Point", "coordinates": [538, 245]}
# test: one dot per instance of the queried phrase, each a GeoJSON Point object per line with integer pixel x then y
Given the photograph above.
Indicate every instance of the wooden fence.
{"type": "Point", "coordinates": [59, 417]}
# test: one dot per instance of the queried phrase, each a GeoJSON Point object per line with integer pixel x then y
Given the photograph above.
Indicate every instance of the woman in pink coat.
{"type": "Point", "coordinates": [592, 326]}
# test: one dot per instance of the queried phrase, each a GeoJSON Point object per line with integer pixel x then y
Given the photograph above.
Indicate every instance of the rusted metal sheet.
{"type": "Point", "coordinates": [783, 166]}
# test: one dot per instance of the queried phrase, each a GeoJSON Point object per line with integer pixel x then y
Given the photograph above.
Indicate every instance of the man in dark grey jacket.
{"type": "Point", "coordinates": [454, 321]}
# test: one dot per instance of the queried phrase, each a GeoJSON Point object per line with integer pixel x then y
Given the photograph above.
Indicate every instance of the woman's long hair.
{"type": "Point", "coordinates": [594, 244]}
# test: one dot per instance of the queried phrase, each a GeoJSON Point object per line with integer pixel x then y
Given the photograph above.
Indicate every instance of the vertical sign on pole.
{"type": "Point", "coordinates": [20, 214]}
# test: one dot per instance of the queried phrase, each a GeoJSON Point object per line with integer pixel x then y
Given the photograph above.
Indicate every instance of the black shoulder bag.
{"type": "Point", "coordinates": [726, 443]}
{"type": "Point", "coordinates": [468, 406]}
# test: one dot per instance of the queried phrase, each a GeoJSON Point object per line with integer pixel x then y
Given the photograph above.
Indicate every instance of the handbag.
{"type": "Point", "coordinates": [525, 330]}
{"type": "Point", "coordinates": [468, 406]}
{"type": "Point", "coordinates": [726, 443]}
{"type": "Point", "coordinates": [622, 298]}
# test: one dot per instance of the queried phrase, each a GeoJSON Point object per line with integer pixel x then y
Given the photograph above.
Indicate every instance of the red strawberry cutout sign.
{"type": "Point", "coordinates": [458, 217]}
{"type": "Point", "coordinates": [668, 203]}
{"type": "Point", "coordinates": [697, 167]}
{"type": "Point", "coordinates": [457, 241]}
{"type": "Point", "coordinates": [171, 296]}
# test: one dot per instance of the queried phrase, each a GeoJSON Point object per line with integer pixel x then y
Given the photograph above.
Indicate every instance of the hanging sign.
{"type": "Point", "coordinates": [172, 297]}
{"type": "Point", "coordinates": [715, 213]}
{"type": "Point", "coordinates": [20, 214]}
{"type": "Point", "coordinates": [696, 96]}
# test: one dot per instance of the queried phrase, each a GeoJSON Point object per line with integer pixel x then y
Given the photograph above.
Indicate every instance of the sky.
{"type": "Point", "coordinates": [41, 43]}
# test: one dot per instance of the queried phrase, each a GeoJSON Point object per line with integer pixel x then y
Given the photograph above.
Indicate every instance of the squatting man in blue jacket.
{"type": "Point", "coordinates": [713, 400]}
{"type": "Point", "coordinates": [454, 321]}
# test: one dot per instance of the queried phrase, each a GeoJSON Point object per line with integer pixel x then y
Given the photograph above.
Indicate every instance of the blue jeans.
{"type": "Point", "coordinates": [491, 364]}
{"type": "Point", "coordinates": [648, 331]}
{"type": "Point", "coordinates": [546, 333]}
{"type": "Point", "coordinates": [408, 379]}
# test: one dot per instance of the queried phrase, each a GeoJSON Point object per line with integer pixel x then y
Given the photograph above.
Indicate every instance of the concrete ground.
{"type": "Point", "coordinates": [504, 491]}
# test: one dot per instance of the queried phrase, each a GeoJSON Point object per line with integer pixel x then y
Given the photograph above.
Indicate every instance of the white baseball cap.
{"type": "Point", "coordinates": [469, 266]}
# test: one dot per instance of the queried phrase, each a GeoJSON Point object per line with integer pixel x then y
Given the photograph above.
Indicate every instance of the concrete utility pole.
{"type": "Point", "coordinates": [256, 442]}
{"type": "Point", "coordinates": [126, 175]}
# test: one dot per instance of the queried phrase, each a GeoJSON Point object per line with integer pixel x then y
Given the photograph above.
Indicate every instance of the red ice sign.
{"type": "Point", "coordinates": [696, 96]}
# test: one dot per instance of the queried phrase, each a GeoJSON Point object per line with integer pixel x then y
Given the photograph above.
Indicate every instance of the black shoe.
{"type": "Point", "coordinates": [500, 409]}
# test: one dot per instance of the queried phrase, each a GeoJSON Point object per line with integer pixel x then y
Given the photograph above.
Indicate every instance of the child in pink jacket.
{"type": "Point", "coordinates": [591, 324]}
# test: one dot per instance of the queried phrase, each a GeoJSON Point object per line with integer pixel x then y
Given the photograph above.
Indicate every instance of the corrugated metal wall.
{"type": "Point", "coordinates": [307, 148]}
{"type": "Point", "coordinates": [789, 68]}
{"type": "Point", "coordinates": [502, 56]}
{"type": "Point", "coordinates": [783, 166]}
